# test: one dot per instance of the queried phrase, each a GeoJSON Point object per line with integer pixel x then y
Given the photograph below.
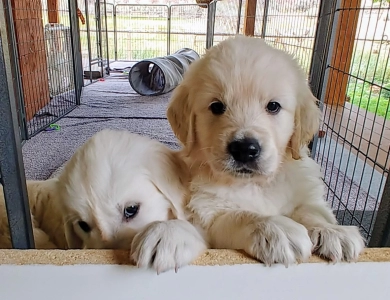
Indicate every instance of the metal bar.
{"type": "Point", "coordinates": [265, 18]}
{"type": "Point", "coordinates": [169, 30]}
{"type": "Point", "coordinates": [239, 16]}
{"type": "Point", "coordinates": [106, 29]}
{"type": "Point", "coordinates": [88, 40]}
{"type": "Point", "coordinates": [76, 54]}
{"type": "Point", "coordinates": [99, 35]}
{"type": "Point", "coordinates": [11, 161]}
{"type": "Point", "coordinates": [211, 9]}
{"type": "Point", "coordinates": [322, 51]}
{"type": "Point", "coordinates": [115, 36]}
{"type": "Point", "coordinates": [381, 232]}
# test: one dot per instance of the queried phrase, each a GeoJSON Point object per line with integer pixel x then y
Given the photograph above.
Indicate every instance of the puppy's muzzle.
{"type": "Point", "coordinates": [244, 151]}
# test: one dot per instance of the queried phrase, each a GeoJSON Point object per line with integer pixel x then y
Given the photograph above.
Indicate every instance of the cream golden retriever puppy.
{"type": "Point", "coordinates": [45, 217]}
{"type": "Point", "coordinates": [122, 190]}
{"type": "Point", "coordinates": [118, 190]}
{"type": "Point", "coordinates": [245, 113]}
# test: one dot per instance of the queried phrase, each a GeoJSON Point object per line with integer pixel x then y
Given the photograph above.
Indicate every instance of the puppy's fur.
{"type": "Point", "coordinates": [273, 206]}
{"type": "Point", "coordinates": [45, 217]}
{"type": "Point", "coordinates": [112, 171]}
{"type": "Point", "coordinates": [115, 172]}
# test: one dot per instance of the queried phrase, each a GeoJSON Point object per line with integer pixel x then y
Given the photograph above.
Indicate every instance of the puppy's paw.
{"type": "Point", "coordinates": [167, 245]}
{"type": "Point", "coordinates": [279, 240]}
{"type": "Point", "coordinates": [337, 243]}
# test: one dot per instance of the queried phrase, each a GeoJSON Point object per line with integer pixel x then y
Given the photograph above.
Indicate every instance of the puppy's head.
{"type": "Point", "coordinates": [115, 185]}
{"type": "Point", "coordinates": [243, 107]}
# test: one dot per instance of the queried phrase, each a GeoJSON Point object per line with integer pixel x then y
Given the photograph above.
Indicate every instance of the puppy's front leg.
{"type": "Point", "coordinates": [330, 240]}
{"type": "Point", "coordinates": [275, 239]}
{"type": "Point", "coordinates": [167, 245]}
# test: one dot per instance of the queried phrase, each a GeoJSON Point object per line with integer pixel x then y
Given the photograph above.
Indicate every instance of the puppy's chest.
{"type": "Point", "coordinates": [265, 201]}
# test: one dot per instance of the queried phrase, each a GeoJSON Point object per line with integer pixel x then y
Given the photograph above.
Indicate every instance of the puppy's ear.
{"type": "Point", "coordinates": [181, 117]}
{"type": "Point", "coordinates": [72, 239]}
{"type": "Point", "coordinates": [171, 179]}
{"type": "Point", "coordinates": [307, 122]}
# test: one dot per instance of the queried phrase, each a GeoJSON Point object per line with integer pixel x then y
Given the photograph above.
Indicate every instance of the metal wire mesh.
{"type": "Point", "coordinates": [88, 39]}
{"type": "Point", "coordinates": [96, 38]}
{"type": "Point", "coordinates": [188, 27]}
{"type": "Point", "coordinates": [289, 26]}
{"type": "Point", "coordinates": [228, 19]}
{"type": "Point", "coordinates": [45, 63]}
{"type": "Point", "coordinates": [140, 31]}
{"type": "Point", "coordinates": [354, 153]}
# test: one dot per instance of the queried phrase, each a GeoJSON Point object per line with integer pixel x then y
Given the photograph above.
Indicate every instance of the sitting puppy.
{"type": "Point", "coordinates": [120, 190]}
{"type": "Point", "coordinates": [245, 114]}
{"type": "Point", "coordinates": [45, 217]}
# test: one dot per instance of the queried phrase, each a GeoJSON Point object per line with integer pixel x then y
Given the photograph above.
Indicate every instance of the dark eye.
{"type": "Point", "coordinates": [273, 107]}
{"type": "Point", "coordinates": [84, 226]}
{"type": "Point", "coordinates": [217, 108]}
{"type": "Point", "coordinates": [131, 211]}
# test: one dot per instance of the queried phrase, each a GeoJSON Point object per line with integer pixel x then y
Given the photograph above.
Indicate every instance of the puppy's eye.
{"type": "Point", "coordinates": [217, 108]}
{"type": "Point", "coordinates": [84, 226]}
{"type": "Point", "coordinates": [131, 211]}
{"type": "Point", "coordinates": [273, 107]}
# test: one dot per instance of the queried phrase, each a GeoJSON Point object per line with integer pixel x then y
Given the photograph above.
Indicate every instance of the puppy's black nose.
{"type": "Point", "coordinates": [245, 150]}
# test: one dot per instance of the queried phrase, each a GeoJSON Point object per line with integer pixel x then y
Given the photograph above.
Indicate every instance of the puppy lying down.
{"type": "Point", "coordinates": [116, 188]}
{"type": "Point", "coordinates": [245, 113]}
{"type": "Point", "coordinates": [45, 217]}
{"type": "Point", "coordinates": [121, 190]}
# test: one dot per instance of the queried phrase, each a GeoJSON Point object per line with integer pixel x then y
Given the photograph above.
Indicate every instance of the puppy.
{"type": "Point", "coordinates": [45, 217]}
{"type": "Point", "coordinates": [120, 190]}
{"type": "Point", "coordinates": [245, 113]}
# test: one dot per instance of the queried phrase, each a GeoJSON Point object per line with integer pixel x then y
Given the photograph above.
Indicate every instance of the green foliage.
{"type": "Point", "coordinates": [369, 66]}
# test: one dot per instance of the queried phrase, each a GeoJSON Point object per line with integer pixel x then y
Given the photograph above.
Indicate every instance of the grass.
{"type": "Point", "coordinates": [362, 95]}
{"type": "Point", "coordinates": [369, 88]}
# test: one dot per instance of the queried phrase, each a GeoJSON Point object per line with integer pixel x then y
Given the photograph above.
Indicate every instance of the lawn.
{"type": "Point", "coordinates": [369, 85]}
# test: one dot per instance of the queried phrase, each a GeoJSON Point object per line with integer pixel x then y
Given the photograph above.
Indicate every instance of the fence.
{"type": "Point", "coordinates": [137, 31]}
{"type": "Point", "coordinates": [44, 54]}
{"type": "Point", "coordinates": [342, 44]}
{"type": "Point", "coordinates": [353, 88]}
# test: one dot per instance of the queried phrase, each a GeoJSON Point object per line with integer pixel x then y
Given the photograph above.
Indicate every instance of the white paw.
{"type": "Point", "coordinates": [167, 245]}
{"type": "Point", "coordinates": [337, 242]}
{"type": "Point", "coordinates": [279, 240]}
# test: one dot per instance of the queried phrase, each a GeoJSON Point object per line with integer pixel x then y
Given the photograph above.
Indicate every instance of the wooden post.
{"type": "Point", "coordinates": [52, 10]}
{"type": "Point", "coordinates": [30, 39]}
{"type": "Point", "coordinates": [250, 17]}
{"type": "Point", "coordinates": [336, 90]}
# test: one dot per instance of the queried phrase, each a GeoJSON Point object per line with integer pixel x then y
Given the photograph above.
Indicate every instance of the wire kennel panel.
{"type": "Point", "coordinates": [59, 59]}
{"type": "Point", "coordinates": [96, 23]}
{"type": "Point", "coordinates": [141, 31]}
{"type": "Point", "coordinates": [188, 27]}
{"type": "Point", "coordinates": [289, 26]}
{"type": "Point", "coordinates": [286, 25]}
{"type": "Point", "coordinates": [108, 13]}
{"type": "Point", "coordinates": [45, 71]}
{"type": "Point", "coordinates": [354, 153]}
{"type": "Point", "coordinates": [88, 39]}
{"type": "Point", "coordinates": [228, 19]}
